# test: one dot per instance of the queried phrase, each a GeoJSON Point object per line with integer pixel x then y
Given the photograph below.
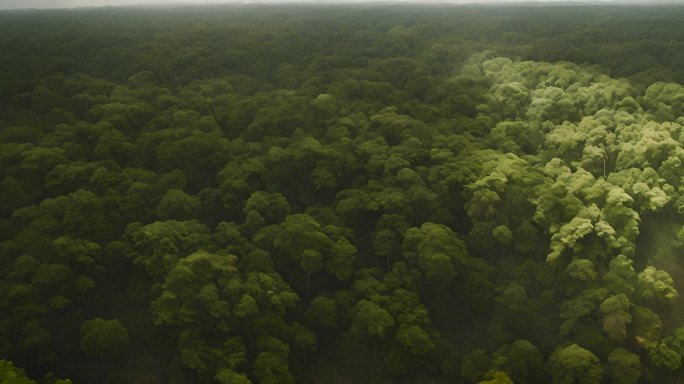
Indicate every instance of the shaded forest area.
{"type": "Point", "coordinates": [342, 194]}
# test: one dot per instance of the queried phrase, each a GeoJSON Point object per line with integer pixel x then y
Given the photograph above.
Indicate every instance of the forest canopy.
{"type": "Point", "coordinates": [371, 193]}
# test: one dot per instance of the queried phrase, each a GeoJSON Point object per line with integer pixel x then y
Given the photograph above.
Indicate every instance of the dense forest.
{"type": "Point", "coordinates": [342, 194]}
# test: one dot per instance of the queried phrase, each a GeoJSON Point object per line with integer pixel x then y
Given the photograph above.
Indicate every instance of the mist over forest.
{"type": "Point", "coordinates": [54, 4]}
{"type": "Point", "coordinates": [342, 194]}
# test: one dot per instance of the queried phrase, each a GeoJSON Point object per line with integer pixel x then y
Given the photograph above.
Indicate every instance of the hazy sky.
{"type": "Point", "coordinates": [12, 4]}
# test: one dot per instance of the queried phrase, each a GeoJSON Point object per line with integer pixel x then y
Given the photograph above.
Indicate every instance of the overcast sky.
{"type": "Point", "coordinates": [15, 4]}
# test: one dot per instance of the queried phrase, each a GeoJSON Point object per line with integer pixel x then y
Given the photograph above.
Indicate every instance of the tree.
{"type": "Point", "coordinates": [582, 306]}
{"type": "Point", "coordinates": [271, 365]}
{"type": "Point", "coordinates": [437, 251]}
{"type": "Point", "coordinates": [514, 301]}
{"type": "Point", "coordinates": [11, 374]}
{"type": "Point", "coordinates": [272, 207]}
{"type": "Point", "coordinates": [503, 236]}
{"type": "Point", "coordinates": [178, 205]}
{"type": "Point", "coordinates": [228, 376]}
{"type": "Point", "coordinates": [647, 326]}
{"type": "Point", "coordinates": [616, 317]}
{"type": "Point", "coordinates": [521, 360]}
{"type": "Point", "coordinates": [200, 155]}
{"type": "Point", "coordinates": [100, 337]}
{"type": "Point", "coordinates": [371, 319]}
{"type": "Point", "coordinates": [157, 246]}
{"type": "Point", "coordinates": [662, 355]}
{"type": "Point", "coordinates": [623, 367]}
{"type": "Point", "coordinates": [620, 276]}
{"type": "Point", "coordinates": [524, 351]}
{"type": "Point", "coordinates": [302, 239]}
{"type": "Point", "coordinates": [415, 339]}
{"type": "Point", "coordinates": [323, 312]}
{"type": "Point", "coordinates": [496, 377]}
{"type": "Point", "coordinates": [582, 270]}
{"type": "Point", "coordinates": [574, 364]}
{"type": "Point", "coordinates": [207, 294]}
{"type": "Point", "coordinates": [656, 284]}
{"type": "Point", "coordinates": [387, 240]}
{"type": "Point", "coordinates": [475, 364]}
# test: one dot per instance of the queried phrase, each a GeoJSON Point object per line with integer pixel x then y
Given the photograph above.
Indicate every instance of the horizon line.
{"type": "Point", "coordinates": [185, 3]}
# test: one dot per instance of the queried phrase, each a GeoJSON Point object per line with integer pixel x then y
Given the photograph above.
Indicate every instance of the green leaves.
{"type": "Point", "coordinates": [436, 250]}
{"type": "Point", "coordinates": [228, 376]}
{"type": "Point", "coordinates": [322, 312]}
{"type": "Point", "coordinates": [415, 339]}
{"type": "Point", "coordinates": [208, 294]}
{"type": "Point", "coordinates": [247, 306]}
{"type": "Point", "coordinates": [271, 366]}
{"type": "Point", "coordinates": [496, 377]}
{"type": "Point", "coordinates": [580, 307]}
{"type": "Point", "coordinates": [647, 326]}
{"type": "Point", "coordinates": [568, 237]}
{"type": "Point", "coordinates": [656, 284]}
{"type": "Point", "coordinates": [101, 337]}
{"type": "Point", "coordinates": [11, 374]}
{"type": "Point", "coordinates": [303, 239]}
{"type": "Point", "coordinates": [502, 234]}
{"type": "Point", "coordinates": [371, 319]}
{"type": "Point", "coordinates": [616, 317]}
{"type": "Point", "coordinates": [273, 207]}
{"type": "Point", "coordinates": [475, 364]}
{"type": "Point", "coordinates": [331, 184]}
{"type": "Point", "coordinates": [663, 356]}
{"type": "Point", "coordinates": [521, 360]}
{"type": "Point", "coordinates": [623, 367]}
{"type": "Point", "coordinates": [159, 245]}
{"type": "Point", "coordinates": [582, 270]}
{"type": "Point", "coordinates": [574, 364]}
{"type": "Point", "coordinates": [178, 205]}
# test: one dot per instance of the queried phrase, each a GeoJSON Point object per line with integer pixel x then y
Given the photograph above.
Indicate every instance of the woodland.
{"type": "Point", "coordinates": [368, 193]}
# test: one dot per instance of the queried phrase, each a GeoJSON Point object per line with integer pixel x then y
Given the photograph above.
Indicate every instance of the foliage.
{"type": "Point", "coordinates": [101, 337]}
{"type": "Point", "coordinates": [280, 194]}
